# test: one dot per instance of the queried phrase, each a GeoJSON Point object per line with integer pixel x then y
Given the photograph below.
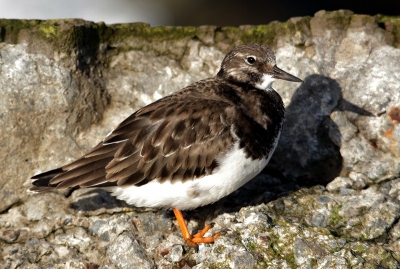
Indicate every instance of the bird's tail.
{"type": "Point", "coordinates": [41, 182]}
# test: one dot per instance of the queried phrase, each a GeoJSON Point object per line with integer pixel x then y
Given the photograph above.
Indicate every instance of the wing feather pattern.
{"type": "Point", "coordinates": [172, 139]}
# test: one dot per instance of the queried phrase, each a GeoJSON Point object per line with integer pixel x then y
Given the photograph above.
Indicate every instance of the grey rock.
{"type": "Point", "coordinates": [176, 254]}
{"type": "Point", "coordinates": [242, 260]}
{"type": "Point", "coordinates": [65, 84]}
{"type": "Point", "coordinates": [125, 252]}
{"type": "Point", "coordinates": [338, 183]}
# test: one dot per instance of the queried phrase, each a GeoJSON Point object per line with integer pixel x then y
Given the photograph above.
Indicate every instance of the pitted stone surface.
{"type": "Point", "coordinates": [330, 197]}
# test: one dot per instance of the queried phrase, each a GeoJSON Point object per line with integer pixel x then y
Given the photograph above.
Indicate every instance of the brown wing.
{"type": "Point", "coordinates": [173, 139]}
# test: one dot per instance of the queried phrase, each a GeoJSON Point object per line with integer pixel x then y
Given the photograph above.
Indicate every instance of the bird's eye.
{"type": "Point", "coordinates": [251, 59]}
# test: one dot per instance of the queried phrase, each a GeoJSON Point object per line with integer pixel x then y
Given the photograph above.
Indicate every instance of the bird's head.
{"type": "Point", "coordinates": [253, 64]}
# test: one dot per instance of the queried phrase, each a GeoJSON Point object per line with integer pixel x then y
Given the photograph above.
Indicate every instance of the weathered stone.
{"type": "Point", "coordinates": [125, 252]}
{"type": "Point", "coordinates": [338, 183]}
{"type": "Point", "coordinates": [66, 83]}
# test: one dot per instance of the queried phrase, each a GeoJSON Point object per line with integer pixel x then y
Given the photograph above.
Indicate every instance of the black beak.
{"type": "Point", "coordinates": [280, 74]}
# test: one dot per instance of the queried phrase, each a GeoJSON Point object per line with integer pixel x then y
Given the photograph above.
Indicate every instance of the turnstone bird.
{"type": "Point", "coordinates": [190, 148]}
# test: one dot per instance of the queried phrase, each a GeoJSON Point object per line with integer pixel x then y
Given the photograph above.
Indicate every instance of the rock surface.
{"type": "Point", "coordinates": [330, 197]}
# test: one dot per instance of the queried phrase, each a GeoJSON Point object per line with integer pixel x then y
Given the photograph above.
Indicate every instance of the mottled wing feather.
{"type": "Point", "coordinates": [179, 146]}
{"type": "Point", "coordinates": [176, 138]}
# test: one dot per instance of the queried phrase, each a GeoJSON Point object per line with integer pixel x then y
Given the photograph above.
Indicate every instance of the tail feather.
{"type": "Point", "coordinates": [41, 182]}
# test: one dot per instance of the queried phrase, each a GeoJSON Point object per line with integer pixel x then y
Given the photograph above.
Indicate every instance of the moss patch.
{"type": "Point", "coordinates": [49, 31]}
{"type": "Point", "coordinates": [392, 26]}
{"type": "Point", "coordinates": [335, 218]}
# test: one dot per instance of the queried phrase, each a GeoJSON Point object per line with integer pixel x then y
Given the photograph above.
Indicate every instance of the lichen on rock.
{"type": "Point", "coordinates": [329, 198]}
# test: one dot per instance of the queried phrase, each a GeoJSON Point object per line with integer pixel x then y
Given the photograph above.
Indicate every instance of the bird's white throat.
{"type": "Point", "coordinates": [265, 82]}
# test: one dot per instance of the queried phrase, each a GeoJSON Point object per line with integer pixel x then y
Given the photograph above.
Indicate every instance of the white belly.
{"type": "Point", "coordinates": [233, 172]}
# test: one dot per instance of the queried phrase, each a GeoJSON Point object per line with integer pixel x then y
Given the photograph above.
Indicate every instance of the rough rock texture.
{"type": "Point", "coordinates": [330, 197]}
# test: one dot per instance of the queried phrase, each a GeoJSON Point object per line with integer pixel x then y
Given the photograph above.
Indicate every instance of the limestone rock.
{"type": "Point", "coordinates": [329, 198]}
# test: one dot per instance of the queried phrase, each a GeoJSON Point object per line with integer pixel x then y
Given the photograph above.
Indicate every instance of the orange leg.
{"type": "Point", "coordinates": [193, 240]}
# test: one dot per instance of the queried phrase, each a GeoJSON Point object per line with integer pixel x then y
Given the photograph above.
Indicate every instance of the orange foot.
{"type": "Point", "coordinates": [193, 240]}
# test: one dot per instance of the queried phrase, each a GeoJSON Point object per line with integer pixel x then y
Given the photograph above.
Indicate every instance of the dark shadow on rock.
{"type": "Point", "coordinates": [347, 106]}
{"type": "Point", "coordinates": [309, 148]}
{"type": "Point", "coordinates": [95, 199]}
{"type": "Point", "coordinates": [305, 153]}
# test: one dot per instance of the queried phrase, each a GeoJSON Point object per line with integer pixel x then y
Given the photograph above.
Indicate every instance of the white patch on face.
{"type": "Point", "coordinates": [265, 83]}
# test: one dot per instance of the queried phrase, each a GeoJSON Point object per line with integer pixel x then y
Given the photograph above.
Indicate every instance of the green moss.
{"type": "Point", "coordinates": [394, 20]}
{"type": "Point", "coordinates": [392, 25]}
{"type": "Point", "coordinates": [264, 34]}
{"type": "Point", "coordinates": [285, 28]}
{"type": "Point", "coordinates": [274, 244]}
{"type": "Point", "coordinates": [220, 249]}
{"type": "Point", "coordinates": [262, 254]}
{"type": "Point", "coordinates": [10, 29]}
{"type": "Point", "coordinates": [290, 259]}
{"type": "Point", "coordinates": [143, 30]}
{"type": "Point", "coordinates": [49, 30]}
{"type": "Point", "coordinates": [359, 248]}
{"type": "Point", "coordinates": [219, 265]}
{"type": "Point", "coordinates": [259, 30]}
{"type": "Point", "coordinates": [252, 246]}
{"type": "Point", "coordinates": [281, 222]}
{"type": "Point", "coordinates": [335, 217]}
